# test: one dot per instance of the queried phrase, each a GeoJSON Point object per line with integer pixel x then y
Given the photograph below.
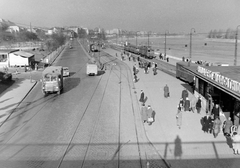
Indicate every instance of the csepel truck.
{"type": "Point", "coordinates": [52, 80]}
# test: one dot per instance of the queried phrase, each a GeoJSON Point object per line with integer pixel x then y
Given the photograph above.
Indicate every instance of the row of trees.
{"type": "Point", "coordinates": [52, 42]}
{"type": "Point", "coordinates": [228, 34]}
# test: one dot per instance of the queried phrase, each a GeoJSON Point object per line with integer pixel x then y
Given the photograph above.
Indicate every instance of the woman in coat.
{"type": "Point", "coordinates": [227, 127]}
{"type": "Point", "coordinates": [216, 126]}
{"type": "Point", "coordinates": [179, 114]}
{"type": "Point", "coordinates": [166, 91]}
{"type": "Point", "coordinates": [144, 113]}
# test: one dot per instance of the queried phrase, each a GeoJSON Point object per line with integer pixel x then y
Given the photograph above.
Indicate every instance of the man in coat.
{"type": "Point", "coordinates": [166, 91]}
{"type": "Point", "coordinates": [216, 111]}
{"type": "Point", "coordinates": [142, 97]}
{"type": "Point", "coordinates": [144, 113]}
{"type": "Point", "coordinates": [199, 105]}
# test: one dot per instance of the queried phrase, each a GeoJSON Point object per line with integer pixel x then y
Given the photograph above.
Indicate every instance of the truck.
{"type": "Point", "coordinates": [52, 80]}
{"type": "Point", "coordinates": [92, 69]}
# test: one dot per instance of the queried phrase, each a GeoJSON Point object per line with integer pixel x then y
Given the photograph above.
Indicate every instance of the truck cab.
{"type": "Point", "coordinates": [52, 80]}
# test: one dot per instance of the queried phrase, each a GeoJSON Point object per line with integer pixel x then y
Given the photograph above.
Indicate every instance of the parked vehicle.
{"type": "Point", "coordinates": [52, 80]}
{"type": "Point", "coordinates": [92, 69]}
{"type": "Point", "coordinates": [5, 76]}
{"type": "Point", "coordinates": [66, 71]}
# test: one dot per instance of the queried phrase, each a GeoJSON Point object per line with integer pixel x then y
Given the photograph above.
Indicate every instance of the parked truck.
{"type": "Point", "coordinates": [52, 80]}
{"type": "Point", "coordinates": [92, 69]}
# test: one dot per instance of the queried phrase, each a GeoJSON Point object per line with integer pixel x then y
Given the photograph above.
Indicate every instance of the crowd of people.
{"type": "Point", "coordinates": [213, 122]}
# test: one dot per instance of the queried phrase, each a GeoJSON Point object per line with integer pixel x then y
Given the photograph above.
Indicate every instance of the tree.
{"type": "Point", "coordinates": [55, 41]}
{"type": "Point", "coordinates": [210, 35]}
{"type": "Point", "coordinates": [82, 33]}
{"type": "Point", "coordinates": [228, 34]}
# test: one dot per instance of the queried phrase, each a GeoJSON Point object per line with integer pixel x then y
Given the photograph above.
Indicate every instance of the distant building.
{"type": "Point", "coordinates": [12, 29]}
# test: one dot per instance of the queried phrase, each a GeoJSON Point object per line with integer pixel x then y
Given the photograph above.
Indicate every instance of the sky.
{"type": "Point", "coordinates": [135, 15]}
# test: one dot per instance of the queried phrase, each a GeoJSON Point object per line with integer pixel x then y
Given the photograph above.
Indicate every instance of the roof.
{"type": "Point", "coordinates": [23, 54]}
{"type": "Point", "coordinates": [226, 78]}
{"type": "Point", "coordinates": [52, 70]}
{"type": "Point", "coordinates": [6, 51]}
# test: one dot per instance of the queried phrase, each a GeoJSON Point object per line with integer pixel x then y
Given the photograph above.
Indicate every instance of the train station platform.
{"type": "Point", "coordinates": [185, 147]}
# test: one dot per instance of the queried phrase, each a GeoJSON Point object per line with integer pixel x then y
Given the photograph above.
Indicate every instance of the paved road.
{"type": "Point", "coordinates": [94, 123]}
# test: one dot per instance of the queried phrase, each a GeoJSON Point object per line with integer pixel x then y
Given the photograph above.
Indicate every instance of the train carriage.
{"type": "Point", "coordinates": [183, 73]}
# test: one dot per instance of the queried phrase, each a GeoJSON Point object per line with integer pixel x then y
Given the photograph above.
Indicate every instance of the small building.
{"type": "Point", "coordinates": [218, 85]}
{"type": "Point", "coordinates": [4, 57]}
{"type": "Point", "coordinates": [21, 58]}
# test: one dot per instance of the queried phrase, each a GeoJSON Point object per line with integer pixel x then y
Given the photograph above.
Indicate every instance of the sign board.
{"type": "Point", "coordinates": [222, 80]}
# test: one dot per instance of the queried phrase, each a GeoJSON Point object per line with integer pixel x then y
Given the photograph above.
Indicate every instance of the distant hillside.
{"type": "Point", "coordinates": [6, 22]}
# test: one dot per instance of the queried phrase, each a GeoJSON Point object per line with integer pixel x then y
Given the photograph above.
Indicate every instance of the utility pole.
{"type": "Point", "coordinates": [236, 43]}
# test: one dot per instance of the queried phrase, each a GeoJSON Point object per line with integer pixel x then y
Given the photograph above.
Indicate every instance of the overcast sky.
{"type": "Point", "coordinates": [147, 15]}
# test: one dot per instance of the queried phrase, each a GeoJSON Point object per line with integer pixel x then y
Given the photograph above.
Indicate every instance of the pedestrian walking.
{"type": "Point", "coordinates": [236, 142]}
{"type": "Point", "coordinates": [199, 105]}
{"type": "Point", "coordinates": [150, 115]}
{"type": "Point", "coordinates": [135, 77]}
{"type": "Point", "coordinates": [144, 113]}
{"type": "Point", "coordinates": [216, 126]}
{"type": "Point", "coordinates": [166, 91]}
{"type": "Point", "coordinates": [206, 123]}
{"type": "Point", "coordinates": [216, 111]}
{"type": "Point", "coordinates": [179, 114]}
{"type": "Point", "coordinates": [142, 98]}
{"type": "Point", "coordinates": [134, 69]}
{"type": "Point", "coordinates": [184, 94]}
{"type": "Point", "coordinates": [227, 127]}
{"type": "Point", "coordinates": [145, 69]}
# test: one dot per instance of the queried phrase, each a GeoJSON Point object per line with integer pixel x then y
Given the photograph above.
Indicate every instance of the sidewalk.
{"type": "Point", "coordinates": [176, 145]}
{"type": "Point", "coordinates": [11, 98]}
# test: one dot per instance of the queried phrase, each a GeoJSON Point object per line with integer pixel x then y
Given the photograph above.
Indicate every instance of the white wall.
{"type": "Point", "coordinates": [17, 60]}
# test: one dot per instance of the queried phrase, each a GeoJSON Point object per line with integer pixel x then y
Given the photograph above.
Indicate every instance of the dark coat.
{"type": "Point", "coordinates": [199, 103]}
{"type": "Point", "coordinates": [215, 111]}
{"type": "Point", "coordinates": [187, 105]}
{"type": "Point", "coordinates": [141, 97]}
{"type": "Point", "coordinates": [184, 94]}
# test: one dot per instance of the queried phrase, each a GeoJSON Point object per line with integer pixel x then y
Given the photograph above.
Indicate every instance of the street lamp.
{"type": "Point", "coordinates": [136, 38]}
{"type": "Point", "coordinates": [190, 47]}
{"type": "Point", "coordinates": [148, 39]}
{"type": "Point", "coordinates": [236, 42]}
{"type": "Point", "coordinates": [165, 44]}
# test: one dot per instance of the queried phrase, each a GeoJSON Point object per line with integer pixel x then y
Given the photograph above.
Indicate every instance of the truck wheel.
{"type": "Point", "coordinates": [59, 92]}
